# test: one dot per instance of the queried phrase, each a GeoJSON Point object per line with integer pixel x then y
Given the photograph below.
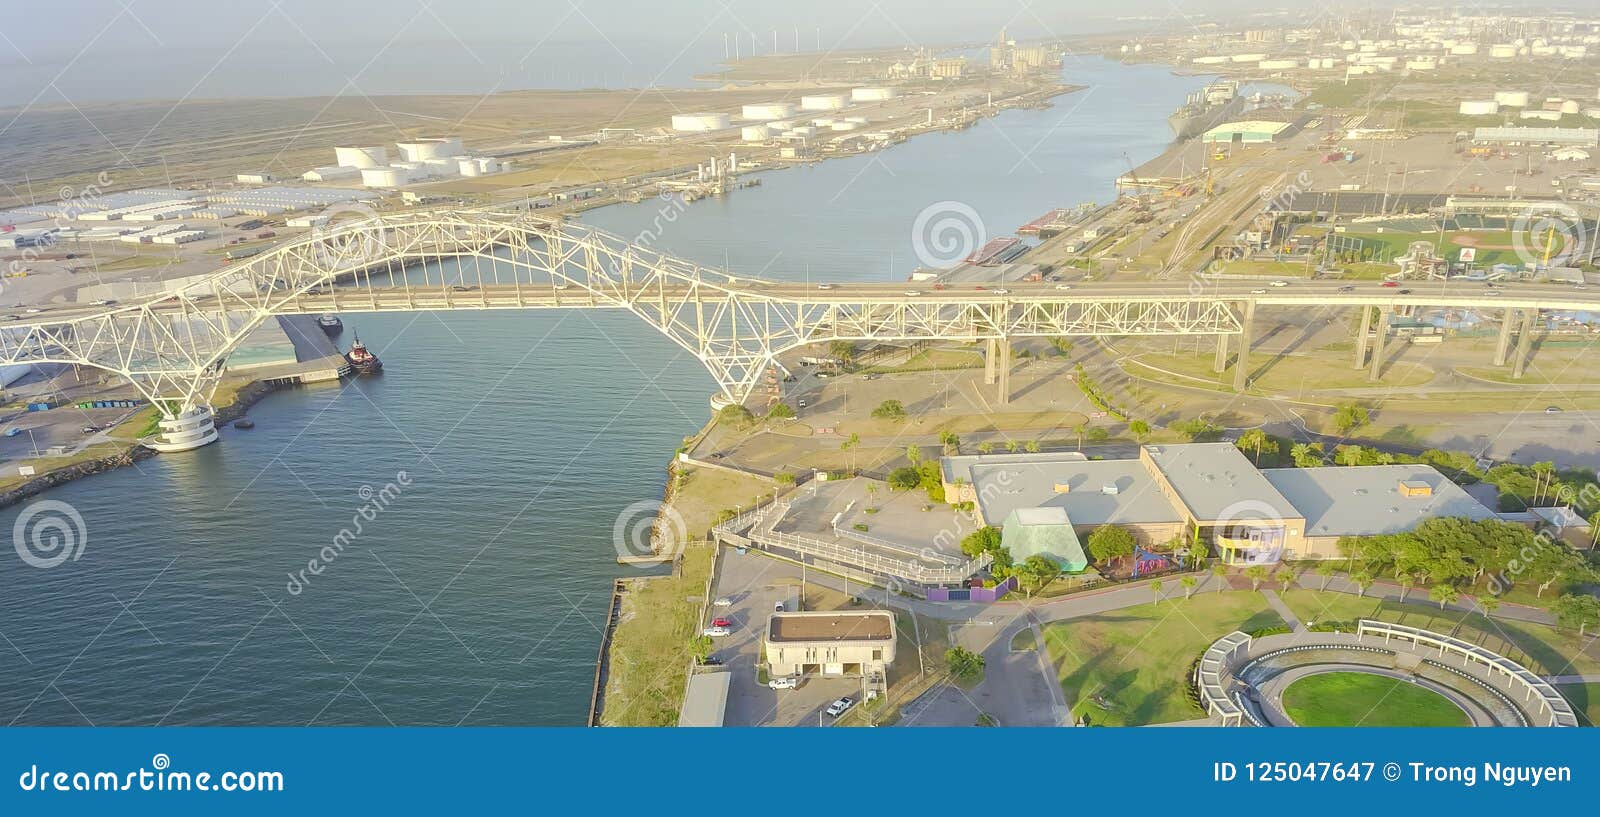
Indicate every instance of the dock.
{"type": "Point", "coordinates": [602, 663]}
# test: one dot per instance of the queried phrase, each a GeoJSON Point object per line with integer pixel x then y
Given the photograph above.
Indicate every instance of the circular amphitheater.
{"type": "Point", "coordinates": [1381, 675]}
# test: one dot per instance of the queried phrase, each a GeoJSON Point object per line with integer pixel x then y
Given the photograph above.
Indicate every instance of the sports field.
{"type": "Point", "coordinates": [1364, 699]}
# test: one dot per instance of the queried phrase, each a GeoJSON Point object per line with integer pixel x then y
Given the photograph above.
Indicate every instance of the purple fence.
{"type": "Point", "coordinates": [978, 594]}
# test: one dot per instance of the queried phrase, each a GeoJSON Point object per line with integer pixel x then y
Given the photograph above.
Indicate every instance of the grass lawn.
{"type": "Point", "coordinates": [1287, 374]}
{"type": "Point", "coordinates": [1543, 649]}
{"type": "Point", "coordinates": [1130, 667]}
{"type": "Point", "coordinates": [1024, 641]}
{"type": "Point", "coordinates": [650, 649]}
{"type": "Point", "coordinates": [933, 359]}
{"type": "Point", "coordinates": [1363, 699]}
{"type": "Point", "coordinates": [1585, 699]}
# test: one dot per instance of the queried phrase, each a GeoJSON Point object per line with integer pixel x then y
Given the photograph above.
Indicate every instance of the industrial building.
{"type": "Point", "coordinates": [1555, 137]}
{"type": "Point", "coordinates": [1251, 132]}
{"type": "Point", "coordinates": [1047, 503]}
{"type": "Point", "coordinates": [830, 643]}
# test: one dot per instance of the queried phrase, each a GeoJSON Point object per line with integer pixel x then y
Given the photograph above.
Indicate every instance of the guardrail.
{"type": "Point", "coordinates": [1553, 706]}
{"type": "Point", "coordinates": [757, 527]}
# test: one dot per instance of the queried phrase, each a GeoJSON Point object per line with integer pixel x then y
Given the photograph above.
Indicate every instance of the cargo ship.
{"type": "Point", "coordinates": [998, 251]}
{"type": "Point", "coordinates": [1205, 109]}
{"type": "Point", "coordinates": [364, 361]}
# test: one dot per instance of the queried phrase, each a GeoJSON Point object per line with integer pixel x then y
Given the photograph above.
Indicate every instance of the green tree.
{"type": "Point", "coordinates": [1444, 594]}
{"type": "Point", "coordinates": [1348, 417]}
{"type": "Point", "coordinates": [1012, 446]}
{"type": "Point", "coordinates": [1577, 611]}
{"type": "Point", "coordinates": [1031, 446]}
{"type": "Point", "coordinates": [700, 648]}
{"type": "Point", "coordinates": [780, 411]}
{"type": "Point", "coordinates": [1155, 589]}
{"type": "Point", "coordinates": [983, 540]}
{"type": "Point", "coordinates": [1326, 569]}
{"type": "Point", "coordinates": [1139, 429]}
{"type": "Point", "coordinates": [1361, 579]}
{"type": "Point", "coordinates": [1036, 572]}
{"type": "Point", "coordinates": [951, 442]}
{"type": "Point", "coordinates": [1488, 604]}
{"type": "Point", "coordinates": [1256, 574]}
{"type": "Point", "coordinates": [1255, 440]}
{"type": "Point", "coordinates": [735, 415]}
{"type": "Point", "coordinates": [1097, 434]}
{"type": "Point", "coordinates": [905, 478]}
{"type": "Point", "coordinates": [1110, 542]}
{"type": "Point", "coordinates": [963, 664]}
{"type": "Point", "coordinates": [1197, 430]}
{"type": "Point", "coordinates": [890, 410]}
{"type": "Point", "coordinates": [1188, 583]}
{"type": "Point", "coordinates": [784, 477]}
{"type": "Point", "coordinates": [1220, 572]}
{"type": "Point", "coordinates": [843, 350]}
{"type": "Point", "coordinates": [913, 454]}
{"type": "Point", "coordinates": [1306, 455]}
{"type": "Point", "coordinates": [985, 447]}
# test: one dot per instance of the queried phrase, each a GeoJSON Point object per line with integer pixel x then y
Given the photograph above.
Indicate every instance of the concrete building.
{"type": "Point", "coordinates": [1246, 133]}
{"type": "Point", "coordinates": [1208, 490]}
{"type": "Point", "coordinates": [1556, 137]}
{"type": "Point", "coordinates": [830, 643]}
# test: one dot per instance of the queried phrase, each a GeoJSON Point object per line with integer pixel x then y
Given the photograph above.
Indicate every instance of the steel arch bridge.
{"type": "Point", "coordinates": [174, 346]}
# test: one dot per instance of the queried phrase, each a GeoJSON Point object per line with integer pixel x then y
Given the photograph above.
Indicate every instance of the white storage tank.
{"type": "Point", "coordinates": [384, 176]}
{"type": "Point", "coordinates": [1276, 65]}
{"type": "Point", "coordinates": [873, 94]}
{"type": "Point", "coordinates": [843, 126]}
{"type": "Point", "coordinates": [1464, 49]}
{"type": "Point", "coordinates": [768, 111]}
{"type": "Point", "coordinates": [754, 133]}
{"type": "Point", "coordinates": [822, 102]}
{"type": "Point", "coordinates": [1569, 106]}
{"type": "Point", "coordinates": [823, 121]}
{"type": "Point", "coordinates": [1478, 107]}
{"type": "Point", "coordinates": [806, 130]}
{"type": "Point", "coordinates": [469, 167]}
{"type": "Point", "coordinates": [699, 122]}
{"type": "Point", "coordinates": [1512, 99]}
{"type": "Point", "coordinates": [361, 157]}
{"type": "Point", "coordinates": [430, 148]}
{"type": "Point", "coordinates": [1502, 51]}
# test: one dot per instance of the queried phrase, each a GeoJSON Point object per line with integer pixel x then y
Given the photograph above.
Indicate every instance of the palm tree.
{"type": "Point", "coordinates": [1031, 446]}
{"type": "Point", "coordinates": [1080, 430]}
{"type": "Point", "coordinates": [1326, 570]}
{"type": "Point", "coordinates": [1362, 580]}
{"type": "Point", "coordinates": [1256, 574]}
{"type": "Point", "coordinates": [1012, 446]}
{"type": "Point", "coordinates": [1444, 594]}
{"type": "Point", "coordinates": [985, 447]}
{"type": "Point", "coordinates": [1155, 587]}
{"type": "Point", "coordinates": [1489, 604]}
{"type": "Point", "coordinates": [1219, 570]}
{"type": "Point", "coordinates": [1188, 583]}
{"type": "Point", "coordinates": [1406, 580]}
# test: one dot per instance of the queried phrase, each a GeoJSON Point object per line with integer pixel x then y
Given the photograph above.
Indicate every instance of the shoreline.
{"type": "Point", "coordinates": [247, 396]}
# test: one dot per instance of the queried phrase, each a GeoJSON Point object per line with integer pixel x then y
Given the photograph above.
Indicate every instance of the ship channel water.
{"type": "Point", "coordinates": [477, 593]}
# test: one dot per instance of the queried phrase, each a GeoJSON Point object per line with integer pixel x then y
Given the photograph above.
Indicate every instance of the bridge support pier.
{"type": "Point", "coordinates": [1220, 362]}
{"type": "Point", "coordinates": [185, 431]}
{"type": "Point", "coordinates": [1361, 338]}
{"type": "Point", "coordinates": [1003, 375]}
{"type": "Point", "coordinates": [1502, 346]}
{"type": "Point", "coordinates": [991, 365]}
{"type": "Point", "coordinates": [1379, 340]}
{"type": "Point", "coordinates": [1241, 366]}
{"type": "Point", "coordinates": [1519, 364]}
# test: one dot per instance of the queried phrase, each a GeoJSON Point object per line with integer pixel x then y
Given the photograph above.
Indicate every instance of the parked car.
{"type": "Point", "coordinates": [788, 682]}
{"type": "Point", "coordinates": [721, 622]}
{"type": "Point", "coordinates": [1347, 288]}
{"type": "Point", "coordinates": [722, 601]}
{"type": "Point", "coordinates": [1552, 409]}
{"type": "Point", "coordinates": [716, 632]}
{"type": "Point", "coordinates": [1280, 283]}
{"type": "Point", "coordinates": [1389, 284]}
{"type": "Point", "coordinates": [840, 707]}
{"type": "Point", "coordinates": [1405, 292]}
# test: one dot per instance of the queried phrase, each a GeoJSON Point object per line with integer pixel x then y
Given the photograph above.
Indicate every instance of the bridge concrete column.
{"type": "Point", "coordinates": [1220, 362]}
{"type": "Point", "coordinates": [1241, 365]}
{"type": "Point", "coordinates": [1519, 364]}
{"type": "Point", "coordinates": [1004, 375]}
{"type": "Point", "coordinates": [1361, 338]}
{"type": "Point", "coordinates": [1502, 346]}
{"type": "Point", "coordinates": [184, 431]}
{"type": "Point", "coordinates": [991, 351]}
{"type": "Point", "coordinates": [1379, 340]}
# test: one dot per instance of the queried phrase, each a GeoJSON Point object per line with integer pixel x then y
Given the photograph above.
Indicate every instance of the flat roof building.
{"type": "Point", "coordinates": [1372, 500]}
{"type": "Point", "coordinates": [1253, 131]}
{"type": "Point", "coordinates": [705, 700]}
{"type": "Point", "coordinates": [830, 643]}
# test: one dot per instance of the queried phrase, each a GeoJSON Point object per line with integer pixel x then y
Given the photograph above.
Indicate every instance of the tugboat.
{"type": "Point", "coordinates": [331, 324]}
{"type": "Point", "coordinates": [364, 361]}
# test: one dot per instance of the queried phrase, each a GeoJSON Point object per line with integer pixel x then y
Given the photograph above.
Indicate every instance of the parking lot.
{"type": "Point", "coordinates": [755, 583]}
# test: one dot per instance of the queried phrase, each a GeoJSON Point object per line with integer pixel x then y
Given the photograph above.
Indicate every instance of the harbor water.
{"type": "Point", "coordinates": [461, 507]}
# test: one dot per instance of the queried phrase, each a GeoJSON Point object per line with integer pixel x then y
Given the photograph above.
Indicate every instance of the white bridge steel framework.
{"type": "Point", "coordinates": [174, 346]}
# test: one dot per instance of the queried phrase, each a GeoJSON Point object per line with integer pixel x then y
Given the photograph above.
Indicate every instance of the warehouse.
{"type": "Point", "coordinates": [1555, 137]}
{"type": "Point", "coordinates": [1251, 132]}
{"type": "Point", "coordinates": [1369, 500]}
